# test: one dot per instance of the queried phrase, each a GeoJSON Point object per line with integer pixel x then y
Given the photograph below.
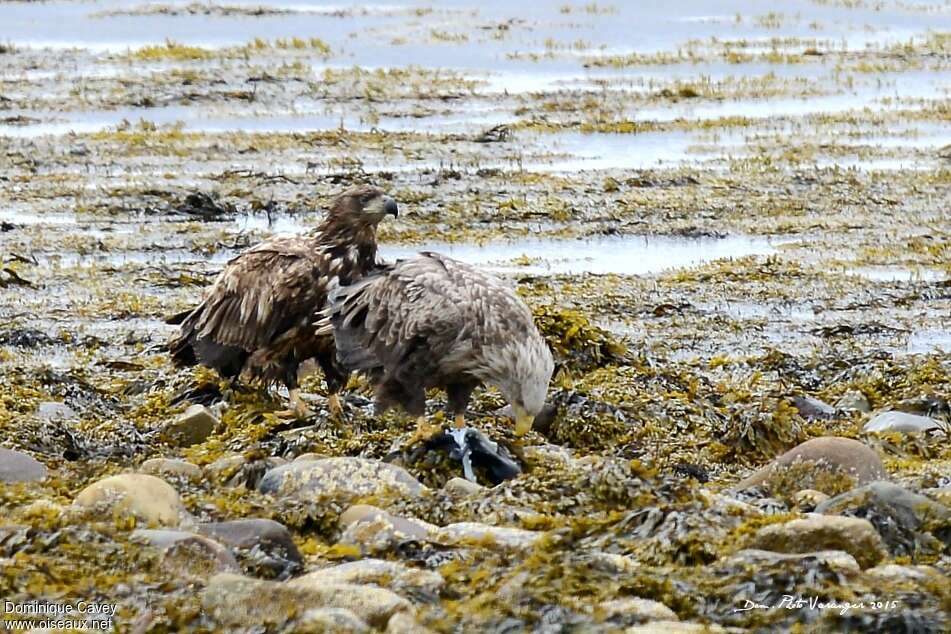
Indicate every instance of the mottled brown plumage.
{"type": "Point", "coordinates": [257, 319]}
{"type": "Point", "coordinates": [431, 321]}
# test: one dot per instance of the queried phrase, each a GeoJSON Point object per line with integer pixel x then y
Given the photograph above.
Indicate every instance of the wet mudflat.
{"type": "Point", "coordinates": [716, 211]}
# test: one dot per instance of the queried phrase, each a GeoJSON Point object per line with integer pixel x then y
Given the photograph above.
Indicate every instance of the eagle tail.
{"type": "Point", "coordinates": [189, 349]}
{"type": "Point", "coordinates": [178, 318]}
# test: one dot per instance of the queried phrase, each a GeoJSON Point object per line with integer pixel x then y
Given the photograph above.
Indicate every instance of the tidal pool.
{"type": "Point", "coordinates": [623, 255]}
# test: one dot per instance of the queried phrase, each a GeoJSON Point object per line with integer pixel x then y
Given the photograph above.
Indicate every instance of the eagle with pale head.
{"type": "Point", "coordinates": [432, 321]}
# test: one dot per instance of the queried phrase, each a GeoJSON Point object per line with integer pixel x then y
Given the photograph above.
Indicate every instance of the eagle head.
{"type": "Point", "coordinates": [522, 370]}
{"type": "Point", "coordinates": [364, 203]}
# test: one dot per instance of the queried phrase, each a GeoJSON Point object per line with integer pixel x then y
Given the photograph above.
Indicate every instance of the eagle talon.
{"type": "Point", "coordinates": [334, 406]}
{"type": "Point", "coordinates": [424, 432]}
{"type": "Point", "coordinates": [298, 408]}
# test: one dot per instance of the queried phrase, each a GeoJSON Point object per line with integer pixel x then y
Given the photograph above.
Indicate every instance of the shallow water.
{"type": "Point", "coordinates": [624, 255]}
{"type": "Point", "coordinates": [929, 341]}
{"type": "Point", "coordinates": [897, 274]}
{"type": "Point", "coordinates": [371, 30]}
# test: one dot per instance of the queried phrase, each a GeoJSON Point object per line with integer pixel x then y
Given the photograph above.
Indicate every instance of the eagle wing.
{"type": "Point", "coordinates": [260, 294]}
{"type": "Point", "coordinates": [412, 318]}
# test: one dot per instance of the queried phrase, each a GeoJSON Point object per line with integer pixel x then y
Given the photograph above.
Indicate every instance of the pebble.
{"type": "Point", "coordinates": [332, 620]}
{"type": "Point", "coordinates": [897, 513]}
{"type": "Point", "coordinates": [224, 467]}
{"type": "Point", "coordinates": [235, 601]}
{"type": "Point", "coordinates": [188, 553]}
{"type": "Point", "coordinates": [460, 487]}
{"type": "Point", "coordinates": [405, 623]}
{"type": "Point", "coordinates": [894, 420]}
{"type": "Point", "coordinates": [373, 530]}
{"type": "Point", "coordinates": [897, 573]}
{"type": "Point", "coordinates": [812, 408]}
{"type": "Point", "coordinates": [840, 561]}
{"type": "Point", "coordinates": [547, 455]}
{"type": "Point", "coordinates": [613, 563]}
{"type": "Point", "coordinates": [42, 508]}
{"type": "Point", "coordinates": [192, 427]}
{"type": "Point", "coordinates": [170, 467]}
{"type": "Point", "coordinates": [808, 499]}
{"type": "Point", "coordinates": [54, 411]}
{"type": "Point", "coordinates": [828, 455]}
{"type": "Point", "coordinates": [16, 466]}
{"type": "Point", "coordinates": [824, 532]}
{"type": "Point", "coordinates": [383, 573]}
{"type": "Point", "coordinates": [853, 401]}
{"type": "Point", "coordinates": [270, 537]}
{"type": "Point", "coordinates": [145, 497]}
{"type": "Point", "coordinates": [237, 471]}
{"type": "Point", "coordinates": [340, 480]}
{"type": "Point", "coordinates": [636, 607]}
{"type": "Point", "coordinates": [304, 457]}
{"type": "Point", "coordinates": [491, 537]}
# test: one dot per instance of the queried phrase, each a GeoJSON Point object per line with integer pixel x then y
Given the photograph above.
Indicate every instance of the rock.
{"type": "Point", "coordinates": [194, 426]}
{"type": "Point", "coordinates": [304, 457]}
{"type": "Point", "coordinates": [812, 408]}
{"type": "Point", "coordinates": [486, 536]}
{"type": "Point", "coordinates": [828, 464]}
{"type": "Point", "coordinates": [53, 411]}
{"type": "Point", "coordinates": [332, 620]}
{"type": "Point", "coordinates": [389, 574]}
{"type": "Point", "coordinates": [225, 467]}
{"type": "Point", "coordinates": [770, 506]}
{"type": "Point", "coordinates": [237, 471]}
{"type": "Point", "coordinates": [189, 553]}
{"type": "Point", "coordinates": [16, 466]}
{"type": "Point", "coordinates": [551, 455]}
{"type": "Point", "coordinates": [628, 608]}
{"type": "Point", "coordinates": [807, 499]}
{"type": "Point", "coordinates": [42, 508]}
{"type": "Point", "coordinates": [265, 541]}
{"type": "Point", "coordinates": [836, 560]}
{"type": "Point", "coordinates": [823, 532]}
{"type": "Point", "coordinates": [612, 563]}
{"type": "Point", "coordinates": [171, 467]}
{"type": "Point", "coordinates": [728, 505]}
{"type": "Point", "coordinates": [340, 480]}
{"type": "Point", "coordinates": [373, 530]}
{"type": "Point", "coordinates": [940, 494]}
{"type": "Point", "coordinates": [900, 421]}
{"type": "Point", "coordinates": [899, 574]}
{"type": "Point", "coordinates": [142, 496]}
{"type": "Point", "coordinates": [899, 515]}
{"type": "Point", "coordinates": [460, 487]}
{"type": "Point", "coordinates": [235, 601]}
{"type": "Point", "coordinates": [853, 401]}
{"type": "Point", "coordinates": [405, 623]}
{"type": "Point", "coordinates": [928, 405]}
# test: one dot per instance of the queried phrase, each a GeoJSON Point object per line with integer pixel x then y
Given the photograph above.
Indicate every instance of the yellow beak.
{"type": "Point", "coordinates": [523, 422]}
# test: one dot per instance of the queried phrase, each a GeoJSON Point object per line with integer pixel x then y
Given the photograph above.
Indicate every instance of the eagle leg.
{"type": "Point", "coordinates": [298, 408]}
{"type": "Point", "coordinates": [459, 395]}
{"type": "Point", "coordinates": [424, 431]}
{"type": "Point", "coordinates": [336, 378]}
{"type": "Point", "coordinates": [334, 405]}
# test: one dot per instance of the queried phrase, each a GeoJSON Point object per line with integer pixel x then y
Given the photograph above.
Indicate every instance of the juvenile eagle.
{"type": "Point", "coordinates": [257, 319]}
{"type": "Point", "coordinates": [431, 321]}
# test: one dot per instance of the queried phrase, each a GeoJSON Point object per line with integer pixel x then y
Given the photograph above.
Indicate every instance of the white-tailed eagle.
{"type": "Point", "coordinates": [431, 321]}
{"type": "Point", "coordinates": [257, 319]}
